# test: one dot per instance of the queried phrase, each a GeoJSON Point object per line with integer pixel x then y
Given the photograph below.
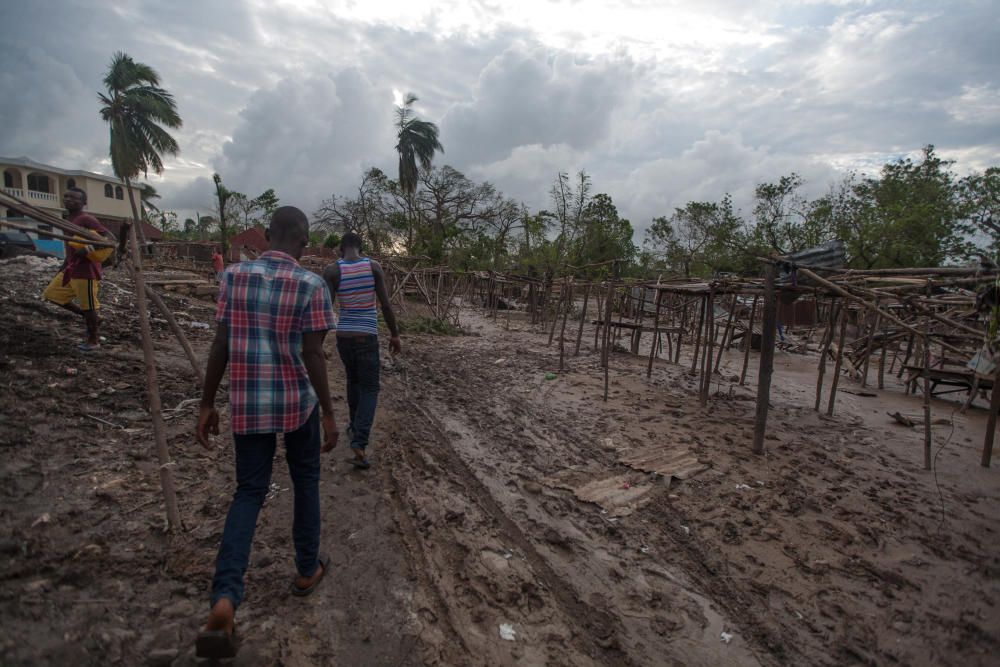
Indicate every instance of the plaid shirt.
{"type": "Point", "coordinates": [268, 304]}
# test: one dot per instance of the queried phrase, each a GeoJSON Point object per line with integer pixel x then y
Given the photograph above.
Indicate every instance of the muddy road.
{"type": "Point", "coordinates": [507, 518]}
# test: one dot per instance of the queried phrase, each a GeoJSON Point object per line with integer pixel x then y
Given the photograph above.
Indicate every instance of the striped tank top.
{"type": "Point", "coordinates": [356, 297]}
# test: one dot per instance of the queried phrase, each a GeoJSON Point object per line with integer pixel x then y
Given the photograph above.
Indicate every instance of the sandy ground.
{"type": "Point", "coordinates": [499, 504]}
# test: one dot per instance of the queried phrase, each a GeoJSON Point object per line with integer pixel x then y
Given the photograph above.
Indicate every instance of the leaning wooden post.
{"type": "Point", "coordinates": [178, 333]}
{"type": "Point", "coordinates": [749, 342]}
{"type": "Point", "coordinates": [927, 397]}
{"type": "Point", "coordinates": [153, 388]}
{"type": "Point", "coordinates": [840, 358]}
{"type": "Point", "coordinates": [906, 358]}
{"type": "Point", "coordinates": [725, 332]}
{"type": "Point", "coordinates": [697, 339]}
{"type": "Point", "coordinates": [583, 317]}
{"type": "Point", "coordinates": [706, 365]}
{"type": "Point", "coordinates": [766, 359]}
{"type": "Point", "coordinates": [562, 330]}
{"type": "Point", "coordinates": [827, 341]}
{"type": "Point", "coordinates": [656, 333]}
{"type": "Point", "coordinates": [991, 421]}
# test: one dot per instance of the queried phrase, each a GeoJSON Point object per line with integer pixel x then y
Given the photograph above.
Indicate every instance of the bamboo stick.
{"type": "Point", "coordinates": [697, 340]}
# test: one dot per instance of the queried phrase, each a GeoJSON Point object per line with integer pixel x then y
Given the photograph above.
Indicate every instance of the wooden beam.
{"type": "Point", "coordinates": [766, 359]}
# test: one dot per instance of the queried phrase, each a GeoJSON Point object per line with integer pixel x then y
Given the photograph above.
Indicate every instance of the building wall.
{"type": "Point", "coordinates": [97, 202]}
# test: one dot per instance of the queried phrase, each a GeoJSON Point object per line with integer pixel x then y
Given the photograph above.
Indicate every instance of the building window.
{"type": "Point", "coordinates": [11, 214]}
{"type": "Point", "coordinates": [119, 194]}
{"type": "Point", "coordinates": [42, 236]}
{"type": "Point", "coordinates": [70, 183]}
{"type": "Point", "coordinates": [38, 182]}
{"type": "Point", "coordinates": [8, 179]}
{"type": "Point", "coordinates": [109, 191]}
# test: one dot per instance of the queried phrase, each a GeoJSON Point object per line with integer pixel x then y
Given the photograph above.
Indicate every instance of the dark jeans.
{"type": "Point", "coordinates": [361, 364]}
{"type": "Point", "coordinates": [254, 458]}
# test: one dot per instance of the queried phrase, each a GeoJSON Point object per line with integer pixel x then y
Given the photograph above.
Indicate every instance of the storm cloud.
{"type": "Point", "coordinates": [660, 102]}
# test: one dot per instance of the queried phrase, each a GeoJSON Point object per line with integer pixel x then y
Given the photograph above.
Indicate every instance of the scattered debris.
{"type": "Point", "coordinates": [507, 632]}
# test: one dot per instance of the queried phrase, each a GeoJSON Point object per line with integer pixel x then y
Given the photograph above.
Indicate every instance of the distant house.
{"type": "Point", "coordinates": [252, 239]}
{"type": "Point", "coordinates": [43, 185]}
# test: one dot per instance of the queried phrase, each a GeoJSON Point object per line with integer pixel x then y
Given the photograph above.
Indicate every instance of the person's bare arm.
{"type": "Point", "coordinates": [315, 363]}
{"type": "Point", "coordinates": [383, 298]}
{"type": "Point", "coordinates": [218, 359]}
{"type": "Point", "coordinates": [332, 277]}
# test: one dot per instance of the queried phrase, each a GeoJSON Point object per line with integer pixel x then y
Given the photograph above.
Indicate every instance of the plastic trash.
{"type": "Point", "coordinates": [740, 487]}
{"type": "Point", "coordinates": [726, 637]}
{"type": "Point", "coordinates": [199, 325]}
{"type": "Point", "coordinates": [72, 371]}
{"type": "Point", "coordinates": [550, 376]}
{"type": "Point", "coordinates": [507, 632]}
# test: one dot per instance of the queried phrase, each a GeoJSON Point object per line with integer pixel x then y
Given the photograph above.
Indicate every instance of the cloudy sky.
{"type": "Point", "coordinates": [661, 101]}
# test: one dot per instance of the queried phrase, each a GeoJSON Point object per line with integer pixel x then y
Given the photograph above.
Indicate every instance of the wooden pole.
{"type": "Point", "coordinates": [656, 333]}
{"type": "Point", "coordinates": [680, 333]}
{"type": "Point", "coordinates": [906, 359]}
{"type": "Point", "coordinates": [726, 332]}
{"type": "Point", "coordinates": [869, 347]}
{"type": "Point", "coordinates": [844, 311]}
{"type": "Point", "coordinates": [583, 318]}
{"type": "Point", "coordinates": [882, 357]}
{"type": "Point", "coordinates": [562, 332]}
{"type": "Point", "coordinates": [555, 315]}
{"type": "Point", "coordinates": [176, 329]}
{"type": "Point", "coordinates": [828, 340]}
{"type": "Point", "coordinates": [706, 365]}
{"type": "Point", "coordinates": [766, 359]}
{"type": "Point", "coordinates": [927, 398]}
{"type": "Point", "coordinates": [153, 388]}
{"type": "Point", "coordinates": [749, 342]}
{"type": "Point", "coordinates": [697, 340]}
{"type": "Point", "coordinates": [991, 421]}
{"type": "Point", "coordinates": [607, 337]}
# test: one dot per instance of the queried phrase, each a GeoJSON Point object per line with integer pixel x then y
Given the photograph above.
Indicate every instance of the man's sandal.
{"type": "Point", "coordinates": [324, 563]}
{"type": "Point", "coordinates": [216, 644]}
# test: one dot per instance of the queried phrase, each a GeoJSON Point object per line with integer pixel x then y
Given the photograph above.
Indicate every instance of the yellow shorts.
{"type": "Point", "coordinates": [84, 291]}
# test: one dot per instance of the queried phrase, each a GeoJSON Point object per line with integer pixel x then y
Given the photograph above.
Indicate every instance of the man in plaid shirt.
{"type": "Point", "coordinates": [272, 318]}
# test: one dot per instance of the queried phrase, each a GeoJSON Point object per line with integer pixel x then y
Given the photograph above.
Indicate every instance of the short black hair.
{"type": "Point", "coordinates": [351, 240]}
{"type": "Point", "coordinates": [79, 191]}
{"type": "Point", "coordinates": [287, 222]}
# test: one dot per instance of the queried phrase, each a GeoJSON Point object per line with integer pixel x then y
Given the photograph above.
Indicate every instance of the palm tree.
{"type": "Point", "coordinates": [137, 109]}
{"type": "Point", "coordinates": [147, 193]}
{"type": "Point", "coordinates": [417, 141]}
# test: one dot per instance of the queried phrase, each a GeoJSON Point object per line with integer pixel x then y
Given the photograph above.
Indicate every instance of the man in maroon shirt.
{"type": "Point", "coordinates": [79, 277]}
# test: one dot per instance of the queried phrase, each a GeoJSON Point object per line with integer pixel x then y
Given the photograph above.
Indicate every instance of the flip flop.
{"type": "Point", "coordinates": [324, 562]}
{"type": "Point", "coordinates": [216, 644]}
{"type": "Point", "coordinates": [360, 464]}
{"type": "Point", "coordinates": [87, 347]}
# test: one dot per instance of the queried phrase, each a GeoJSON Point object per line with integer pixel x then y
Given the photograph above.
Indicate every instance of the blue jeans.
{"type": "Point", "coordinates": [254, 459]}
{"type": "Point", "coordinates": [361, 365]}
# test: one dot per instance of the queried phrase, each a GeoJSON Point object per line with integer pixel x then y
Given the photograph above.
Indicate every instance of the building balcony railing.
{"type": "Point", "coordinates": [43, 196]}
{"type": "Point", "coordinates": [14, 192]}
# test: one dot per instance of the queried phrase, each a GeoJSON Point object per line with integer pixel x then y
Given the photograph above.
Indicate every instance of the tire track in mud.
{"type": "Point", "coordinates": [600, 629]}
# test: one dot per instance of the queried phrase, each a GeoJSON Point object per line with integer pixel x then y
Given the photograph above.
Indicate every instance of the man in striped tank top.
{"type": "Point", "coordinates": [355, 282]}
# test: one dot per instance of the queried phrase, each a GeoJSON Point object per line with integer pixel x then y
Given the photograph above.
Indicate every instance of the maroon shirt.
{"type": "Point", "coordinates": [81, 267]}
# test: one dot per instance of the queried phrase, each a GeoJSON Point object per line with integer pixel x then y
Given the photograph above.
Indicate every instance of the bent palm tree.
{"type": "Point", "coordinates": [134, 107]}
{"type": "Point", "coordinates": [147, 193]}
{"type": "Point", "coordinates": [137, 109]}
{"type": "Point", "coordinates": [416, 142]}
